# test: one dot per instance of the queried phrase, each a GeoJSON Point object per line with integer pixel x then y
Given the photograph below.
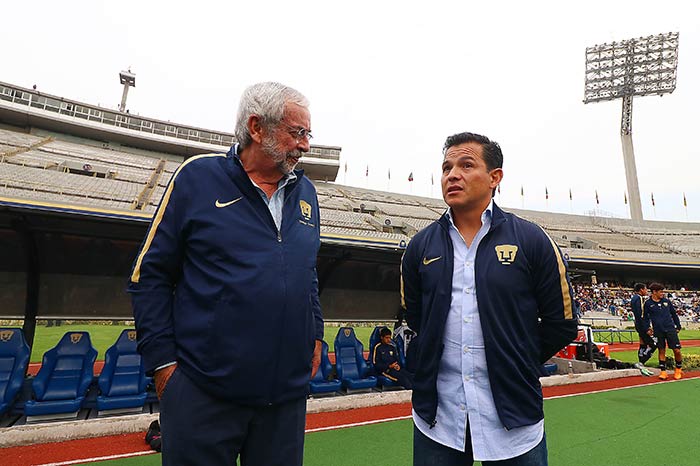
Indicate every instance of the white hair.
{"type": "Point", "coordinates": [267, 101]}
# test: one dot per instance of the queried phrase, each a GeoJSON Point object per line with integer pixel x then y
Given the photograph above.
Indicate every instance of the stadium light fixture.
{"type": "Point", "coordinates": [643, 66]}
{"type": "Point", "coordinates": [128, 79]}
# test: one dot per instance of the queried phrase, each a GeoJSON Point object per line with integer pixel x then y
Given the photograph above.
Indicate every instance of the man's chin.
{"type": "Point", "coordinates": [286, 168]}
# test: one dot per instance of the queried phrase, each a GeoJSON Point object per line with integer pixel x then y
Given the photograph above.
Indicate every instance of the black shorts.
{"type": "Point", "coordinates": [668, 337]}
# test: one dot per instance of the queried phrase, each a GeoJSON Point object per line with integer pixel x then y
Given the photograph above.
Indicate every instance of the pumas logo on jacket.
{"type": "Point", "coordinates": [506, 253]}
{"type": "Point", "coordinates": [305, 208]}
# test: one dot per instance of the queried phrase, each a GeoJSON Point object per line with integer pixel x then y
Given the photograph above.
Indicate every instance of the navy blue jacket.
{"type": "Point", "coordinates": [384, 356]}
{"type": "Point", "coordinates": [662, 315]}
{"type": "Point", "coordinates": [636, 304]}
{"type": "Point", "coordinates": [217, 288]}
{"type": "Point", "coordinates": [525, 307]}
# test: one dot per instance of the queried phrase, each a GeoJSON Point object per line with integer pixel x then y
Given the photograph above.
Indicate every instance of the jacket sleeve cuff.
{"type": "Point", "coordinates": [158, 354]}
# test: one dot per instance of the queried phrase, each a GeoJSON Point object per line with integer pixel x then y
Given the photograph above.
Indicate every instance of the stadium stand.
{"type": "Point", "coordinates": [38, 167]}
{"type": "Point", "coordinates": [350, 362]}
{"type": "Point", "coordinates": [122, 381]}
{"type": "Point", "coordinates": [66, 372]}
{"type": "Point", "coordinates": [14, 357]}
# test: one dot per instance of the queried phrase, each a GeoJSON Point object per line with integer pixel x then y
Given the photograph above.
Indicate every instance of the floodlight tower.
{"type": "Point", "coordinates": [128, 79]}
{"type": "Point", "coordinates": [643, 66]}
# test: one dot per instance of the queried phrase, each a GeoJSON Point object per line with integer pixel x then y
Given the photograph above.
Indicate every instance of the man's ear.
{"type": "Point", "coordinates": [256, 129]}
{"type": "Point", "coordinates": [496, 177]}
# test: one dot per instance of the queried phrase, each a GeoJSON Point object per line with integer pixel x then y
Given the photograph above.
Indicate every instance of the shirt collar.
{"type": "Point", "coordinates": [487, 214]}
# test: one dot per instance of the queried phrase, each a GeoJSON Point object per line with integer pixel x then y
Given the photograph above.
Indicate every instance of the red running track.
{"type": "Point", "coordinates": [128, 444]}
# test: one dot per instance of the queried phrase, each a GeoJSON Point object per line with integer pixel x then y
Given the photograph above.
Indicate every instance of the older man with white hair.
{"type": "Point", "coordinates": [225, 292]}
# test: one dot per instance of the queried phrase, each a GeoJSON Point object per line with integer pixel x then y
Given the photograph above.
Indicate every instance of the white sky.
{"type": "Point", "coordinates": [389, 80]}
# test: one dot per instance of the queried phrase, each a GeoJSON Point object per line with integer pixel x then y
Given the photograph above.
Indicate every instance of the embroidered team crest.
{"type": "Point", "coordinates": [665, 304]}
{"type": "Point", "coordinates": [5, 335]}
{"type": "Point", "coordinates": [506, 253]}
{"type": "Point", "coordinates": [75, 337]}
{"type": "Point", "coordinates": [131, 335]}
{"type": "Point", "coordinates": [305, 210]}
{"type": "Point", "coordinates": [347, 332]}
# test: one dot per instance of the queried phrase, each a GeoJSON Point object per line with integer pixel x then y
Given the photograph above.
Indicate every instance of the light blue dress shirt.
{"type": "Point", "coordinates": [464, 391]}
{"type": "Point", "coordinates": [276, 202]}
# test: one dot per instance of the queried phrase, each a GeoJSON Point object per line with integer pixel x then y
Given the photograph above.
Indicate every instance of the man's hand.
{"type": "Point", "coordinates": [650, 332]}
{"type": "Point", "coordinates": [316, 359]}
{"type": "Point", "coordinates": [161, 378]}
{"type": "Point", "coordinates": [395, 366]}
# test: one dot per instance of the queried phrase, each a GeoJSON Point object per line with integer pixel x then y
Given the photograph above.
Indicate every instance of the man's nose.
{"type": "Point", "coordinates": [303, 144]}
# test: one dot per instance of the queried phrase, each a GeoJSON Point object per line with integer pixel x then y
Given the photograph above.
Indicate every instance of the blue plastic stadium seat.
{"type": "Point", "coordinates": [14, 358]}
{"type": "Point", "coordinates": [123, 380]}
{"type": "Point", "coordinates": [350, 363]}
{"type": "Point", "coordinates": [322, 381]}
{"type": "Point", "coordinates": [63, 380]}
{"type": "Point", "coordinates": [374, 340]}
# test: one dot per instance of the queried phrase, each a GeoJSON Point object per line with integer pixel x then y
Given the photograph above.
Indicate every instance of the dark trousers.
{"type": "Point", "coordinates": [427, 452]}
{"type": "Point", "coordinates": [402, 377]}
{"type": "Point", "coordinates": [198, 429]}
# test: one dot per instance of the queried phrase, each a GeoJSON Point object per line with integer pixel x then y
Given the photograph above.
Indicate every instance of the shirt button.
{"type": "Point", "coordinates": [466, 378]}
{"type": "Point", "coordinates": [466, 349]}
{"type": "Point", "coordinates": [462, 407]}
{"type": "Point", "coordinates": [467, 319]}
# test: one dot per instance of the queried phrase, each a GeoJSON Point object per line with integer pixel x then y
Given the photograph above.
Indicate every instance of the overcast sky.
{"type": "Point", "coordinates": [388, 81]}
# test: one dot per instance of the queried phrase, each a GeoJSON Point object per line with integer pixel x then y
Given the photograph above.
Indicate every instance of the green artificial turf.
{"type": "Point", "coordinates": [652, 425]}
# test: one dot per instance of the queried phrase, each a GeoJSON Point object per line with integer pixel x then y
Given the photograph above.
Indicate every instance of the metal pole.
{"type": "Point", "coordinates": [122, 107]}
{"type": "Point", "coordinates": [628, 157]}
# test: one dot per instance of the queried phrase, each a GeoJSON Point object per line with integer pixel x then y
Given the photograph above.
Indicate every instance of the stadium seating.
{"type": "Point", "coordinates": [350, 363]}
{"type": "Point", "coordinates": [14, 357]}
{"type": "Point", "coordinates": [374, 339]}
{"type": "Point", "coordinates": [323, 381]}
{"type": "Point", "coordinates": [123, 380]}
{"type": "Point", "coordinates": [66, 372]}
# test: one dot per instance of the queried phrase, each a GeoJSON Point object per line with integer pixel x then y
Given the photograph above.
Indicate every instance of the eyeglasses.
{"type": "Point", "coordinates": [298, 132]}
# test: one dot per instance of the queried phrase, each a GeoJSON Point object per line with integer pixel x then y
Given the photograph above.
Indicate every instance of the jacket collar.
{"type": "Point", "coordinates": [497, 217]}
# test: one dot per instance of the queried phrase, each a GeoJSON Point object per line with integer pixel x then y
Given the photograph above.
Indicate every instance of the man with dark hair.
{"type": "Point", "coordinates": [489, 297]}
{"type": "Point", "coordinates": [386, 360]}
{"type": "Point", "coordinates": [659, 311]}
{"type": "Point", "coordinates": [647, 346]}
{"type": "Point", "coordinates": [225, 293]}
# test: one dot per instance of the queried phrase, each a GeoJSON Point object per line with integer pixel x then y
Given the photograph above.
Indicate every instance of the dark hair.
{"type": "Point", "coordinates": [384, 331]}
{"type": "Point", "coordinates": [639, 286]}
{"type": "Point", "coordinates": [493, 157]}
{"type": "Point", "coordinates": [656, 287]}
{"type": "Point", "coordinates": [490, 150]}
